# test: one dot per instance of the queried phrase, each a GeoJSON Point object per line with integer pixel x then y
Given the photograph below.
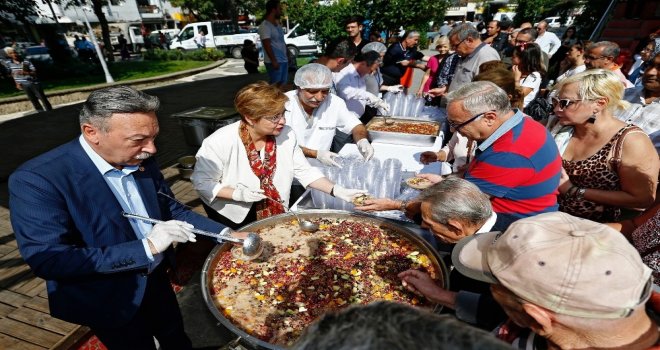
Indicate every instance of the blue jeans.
{"type": "Point", "coordinates": [279, 76]}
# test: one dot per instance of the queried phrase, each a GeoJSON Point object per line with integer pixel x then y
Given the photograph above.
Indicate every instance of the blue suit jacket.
{"type": "Point", "coordinates": [70, 231]}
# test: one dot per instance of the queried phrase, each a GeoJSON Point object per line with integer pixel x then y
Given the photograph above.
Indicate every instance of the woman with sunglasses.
{"type": "Point", "coordinates": [608, 165]}
{"type": "Point", "coordinates": [528, 70]}
{"type": "Point", "coordinates": [244, 170]}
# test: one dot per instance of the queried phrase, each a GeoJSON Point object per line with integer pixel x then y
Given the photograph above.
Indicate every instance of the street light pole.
{"type": "Point", "coordinates": [99, 53]}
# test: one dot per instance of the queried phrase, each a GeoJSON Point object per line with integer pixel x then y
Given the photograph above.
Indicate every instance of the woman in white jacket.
{"type": "Point", "coordinates": [245, 170]}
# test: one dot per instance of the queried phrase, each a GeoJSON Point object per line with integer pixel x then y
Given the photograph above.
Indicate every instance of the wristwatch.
{"type": "Point", "coordinates": [579, 195]}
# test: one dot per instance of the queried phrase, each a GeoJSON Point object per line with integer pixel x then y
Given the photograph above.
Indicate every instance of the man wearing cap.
{"type": "Point", "coordinates": [315, 115]}
{"type": "Point", "coordinates": [565, 282]}
{"type": "Point", "coordinates": [516, 162]}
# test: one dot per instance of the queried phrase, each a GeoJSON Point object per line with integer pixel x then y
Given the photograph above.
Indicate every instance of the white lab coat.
{"type": "Point", "coordinates": [222, 161]}
{"type": "Point", "coordinates": [317, 132]}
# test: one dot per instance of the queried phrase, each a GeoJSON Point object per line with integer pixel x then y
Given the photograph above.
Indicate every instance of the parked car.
{"type": "Point", "coordinates": [299, 41]}
{"type": "Point", "coordinates": [37, 53]}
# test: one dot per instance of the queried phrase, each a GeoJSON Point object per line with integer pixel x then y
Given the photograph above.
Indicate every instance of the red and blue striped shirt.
{"type": "Point", "coordinates": [519, 167]}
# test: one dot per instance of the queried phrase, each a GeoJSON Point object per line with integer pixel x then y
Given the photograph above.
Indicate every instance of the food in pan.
{"type": "Point", "coordinates": [418, 183]}
{"type": "Point", "coordinates": [303, 275]}
{"type": "Point", "coordinates": [361, 198]}
{"type": "Point", "coordinates": [408, 127]}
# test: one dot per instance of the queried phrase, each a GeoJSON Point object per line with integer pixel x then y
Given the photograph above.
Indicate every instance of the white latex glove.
{"type": "Point", "coordinates": [346, 194]}
{"type": "Point", "coordinates": [365, 148]}
{"type": "Point", "coordinates": [376, 102]}
{"type": "Point", "coordinates": [242, 194]}
{"type": "Point", "coordinates": [163, 234]}
{"type": "Point", "coordinates": [395, 88]}
{"type": "Point", "coordinates": [327, 158]}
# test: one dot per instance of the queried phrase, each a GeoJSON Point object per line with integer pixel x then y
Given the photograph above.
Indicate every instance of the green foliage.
{"type": "Point", "coordinates": [532, 10]}
{"type": "Point", "coordinates": [208, 54]}
{"type": "Point", "coordinates": [202, 10]}
{"type": "Point", "coordinates": [587, 21]}
{"type": "Point", "coordinates": [328, 21]}
{"type": "Point", "coordinates": [20, 9]}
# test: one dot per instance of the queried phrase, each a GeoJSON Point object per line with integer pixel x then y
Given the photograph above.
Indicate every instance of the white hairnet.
{"type": "Point", "coordinates": [375, 46]}
{"type": "Point", "coordinates": [313, 76]}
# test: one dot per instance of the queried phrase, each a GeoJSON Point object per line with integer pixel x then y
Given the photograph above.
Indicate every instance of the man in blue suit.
{"type": "Point", "coordinates": [103, 270]}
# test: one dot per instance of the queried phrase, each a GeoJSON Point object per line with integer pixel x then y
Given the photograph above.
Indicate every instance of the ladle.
{"type": "Point", "coordinates": [252, 244]}
{"type": "Point", "coordinates": [305, 225]}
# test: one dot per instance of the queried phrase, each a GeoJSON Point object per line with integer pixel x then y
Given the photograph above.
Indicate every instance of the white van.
{"type": "Point", "coordinates": [219, 34]}
{"type": "Point", "coordinates": [301, 42]}
{"type": "Point", "coordinates": [553, 22]}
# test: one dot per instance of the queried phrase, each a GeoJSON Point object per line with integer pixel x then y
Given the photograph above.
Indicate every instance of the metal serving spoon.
{"type": "Point", "coordinates": [305, 225]}
{"type": "Point", "coordinates": [252, 244]}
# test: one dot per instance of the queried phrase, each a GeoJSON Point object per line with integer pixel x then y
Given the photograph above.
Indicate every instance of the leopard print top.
{"type": "Point", "coordinates": [598, 172]}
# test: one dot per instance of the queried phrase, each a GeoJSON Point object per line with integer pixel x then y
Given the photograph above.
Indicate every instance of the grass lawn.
{"type": "Point", "coordinates": [120, 71]}
{"type": "Point", "coordinates": [301, 61]}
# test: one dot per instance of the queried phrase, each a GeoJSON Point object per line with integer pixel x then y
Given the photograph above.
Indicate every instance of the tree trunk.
{"type": "Point", "coordinates": [105, 29]}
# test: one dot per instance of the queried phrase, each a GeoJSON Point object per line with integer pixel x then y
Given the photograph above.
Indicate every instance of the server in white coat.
{"type": "Point", "coordinates": [315, 115]}
{"type": "Point", "coordinates": [244, 170]}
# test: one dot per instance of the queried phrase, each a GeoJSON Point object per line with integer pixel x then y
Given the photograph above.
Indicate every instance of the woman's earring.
{"type": "Point", "coordinates": [592, 119]}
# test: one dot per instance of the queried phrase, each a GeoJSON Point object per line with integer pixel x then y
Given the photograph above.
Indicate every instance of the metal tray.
{"type": "Point", "coordinates": [213, 257]}
{"type": "Point", "coordinates": [401, 138]}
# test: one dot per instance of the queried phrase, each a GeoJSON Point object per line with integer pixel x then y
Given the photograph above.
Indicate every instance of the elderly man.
{"type": "Point", "coordinates": [570, 283]}
{"type": "Point", "coordinates": [548, 41]}
{"type": "Point", "coordinates": [517, 162]}
{"type": "Point", "coordinates": [451, 210]}
{"type": "Point", "coordinates": [314, 115]}
{"type": "Point", "coordinates": [401, 56]}
{"type": "Point", "coordinates": [603, 54]}
{"type": "Point", "coordinates": [645, 102]}
{"type": "Point", "coordinates": [466, 41]}
{"type": "Point", "coordinates": [393, 326]}
{"type": "Point", "coordinates": [25, 78]}
{"type": "Point", "coordinates": [103, 270]}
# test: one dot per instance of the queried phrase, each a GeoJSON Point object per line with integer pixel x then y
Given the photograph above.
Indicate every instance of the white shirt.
{"type": "Point", "coordinates": [571, 72]}
{"type": "Point", "coordinates": [222, 162]}
{"type": "Point", "coordinates": [317, 131]}
{"type": "Point", "coordinates": [532, 81]}
{"type": "Point", "coordinates": [353, 89]}
{"type": "Point", "coordinates": [549, 43]}
{"type": "Point", "coordinates": [457, 149]}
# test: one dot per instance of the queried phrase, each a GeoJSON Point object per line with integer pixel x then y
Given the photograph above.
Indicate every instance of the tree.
{"type": "Point", "coordinates": [532, 10]}
{"type": "Point", "coordinates": [97, 7]}
{"type": "Point", "coordinates": [18, 9]}
{"type": "Point", "coordinates": [328, 21]}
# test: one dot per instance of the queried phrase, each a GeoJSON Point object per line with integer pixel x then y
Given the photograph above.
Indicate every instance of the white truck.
{"type": "Point", "coordinates": [132, 34]}
{"type": "Point", "coordinates": [219, 34]}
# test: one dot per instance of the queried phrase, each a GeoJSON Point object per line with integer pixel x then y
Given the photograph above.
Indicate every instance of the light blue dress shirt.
{"type": "Point", "coordinates": [123, 186]}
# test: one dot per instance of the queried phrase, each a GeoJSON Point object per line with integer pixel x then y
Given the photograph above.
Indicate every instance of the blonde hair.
{"type": "Point", "coordinates": [594, 84]}
{"type": "Point", "coordinates": [440, 40]}
{"type": "Point", "coordinates": [259, 100]}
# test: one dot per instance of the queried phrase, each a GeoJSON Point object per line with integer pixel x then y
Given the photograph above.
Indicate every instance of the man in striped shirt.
{"type": "Point", "coordinates": [516, 163]}
{"type": "Point", "coordinates": [25, 77]}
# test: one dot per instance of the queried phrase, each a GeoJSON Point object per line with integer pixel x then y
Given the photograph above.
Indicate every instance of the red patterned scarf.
{"type": "Point", "coordinates": [264, 170]}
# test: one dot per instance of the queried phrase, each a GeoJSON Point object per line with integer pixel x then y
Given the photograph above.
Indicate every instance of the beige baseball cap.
{"type": "Point", "coordinates": [568, 265]}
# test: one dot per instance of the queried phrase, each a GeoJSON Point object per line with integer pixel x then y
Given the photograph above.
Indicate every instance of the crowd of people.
{"type": "Point", "coordinates": [551, 212]}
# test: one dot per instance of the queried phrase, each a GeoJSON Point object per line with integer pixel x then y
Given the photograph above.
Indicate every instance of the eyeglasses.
{"type": "Point", "coordinates": [458, 126]}
{"type": "Point", "coordinates": [564, 103]}
{"type": "Point", "coordinates": [457, 45]}
{"type": "Point", "coordinates": [592, 58]}
{"type": "Point", "coordinates": [276, 118]}
{"type": "Point", "coordinates": [646, 49]}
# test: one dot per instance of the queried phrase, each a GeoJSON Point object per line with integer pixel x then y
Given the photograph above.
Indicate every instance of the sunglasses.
{"type": "Point", "coordinates": [564, 103]}
{"type": "Point", "coordinates": [458, 126]}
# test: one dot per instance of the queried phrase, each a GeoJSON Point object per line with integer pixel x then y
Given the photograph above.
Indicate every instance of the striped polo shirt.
{"type": "Point", "coordinates": [17, 70]}
{"type": "Point", "coordinates": [519, 167]}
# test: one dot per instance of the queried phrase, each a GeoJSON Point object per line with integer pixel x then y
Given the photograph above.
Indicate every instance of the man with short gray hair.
{"type": "Point", "coordinates": [603, 54]}
{"type": "Point", "coordinates": [104, 270]}
{"type": "Point", "coordinates": [517, 162]}
{"type": "Point", "coordinates": [466, 41]}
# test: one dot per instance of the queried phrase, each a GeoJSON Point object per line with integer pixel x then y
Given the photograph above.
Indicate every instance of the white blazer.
{"type": "Point", "coordinates": [222, 161]}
